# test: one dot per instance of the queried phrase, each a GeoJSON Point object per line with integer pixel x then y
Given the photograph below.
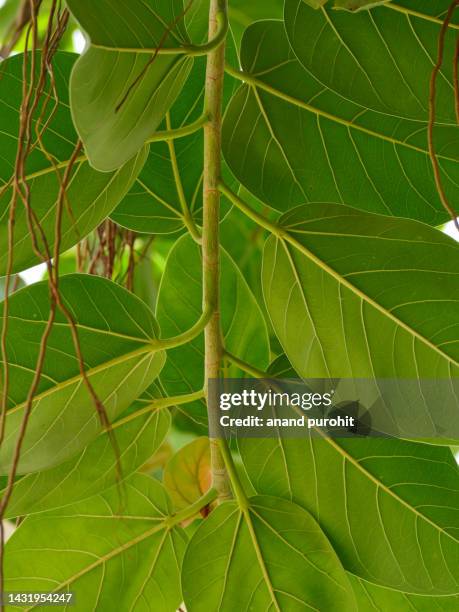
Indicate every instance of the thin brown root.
{"type": "Point", "coordinates": [432, 110]}
{"type": "Point", "coordinates": [144, 70]}
{"type": "Point", "coordinates": [21, 22]}
{"type": "Point", "coordinates": [33, 92]}
{"type": "Point", "coordinates": [130, 239]}
{"type": "Point", "coordinates": [456, 79]}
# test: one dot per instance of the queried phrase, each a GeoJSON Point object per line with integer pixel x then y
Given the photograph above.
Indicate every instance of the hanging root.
{"type": "Point", "coordinates": [34, 85]}
{"type": "Point", "coordinates": [16, 30]}
{"type": "Point", "coordinates": [21, 191]}
{"type": "Point", "coordinates": [49, 48]}
{"type": "Point", "coordinates": [144, 71]}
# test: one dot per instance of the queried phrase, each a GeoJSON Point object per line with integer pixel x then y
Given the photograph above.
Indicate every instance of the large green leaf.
{"type": "Point", "coordinates": [115, 547]}
{"type": "Point", "coordinates": [348, 298]}
{"type": "Point", "coordinates": [273, 556]}
{"type": "Point", "coordinates": [290, 140]}
{"type": "Point", "coordinates": [353, 296]}
{"type": "Point", "coordinates": [180, 305]}
{"type": "Point", "coordinates": [171, 179]}
{"type": "Point", "coordinates": [120, 92]}
{"type": "Point", "coordinates": [382, 59]}
{"type": "Point", "coordinates": [389, 507]}
{"type": "Point", "coordinates": [94, 470]}
{"type": "Point", "coordinates": [117, 334]}
{"type": "Point", "coordinates": [91, 195]}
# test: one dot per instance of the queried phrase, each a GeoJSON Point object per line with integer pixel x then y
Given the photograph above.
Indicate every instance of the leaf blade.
{"type": "Point", "coordinates": [249, 556]}
{"type": "Point", "coordinates": [317, 317]}
{"type": "Point", "coordinates": [92, 471]}
{"type": "Point", "coordinates": [81, 560]}
{"type": "Point", "coordinates": [116, 331]}
{"type": "Point", "coordinates": [121, 89]}
{"type": "Point", "coordinates": [282, 110]}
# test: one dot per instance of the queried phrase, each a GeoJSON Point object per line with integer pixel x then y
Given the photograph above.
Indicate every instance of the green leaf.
{"type": "Point", "coordinates": [103, 555]}
{"type": "Point", "coordinates": [388, 507]}
{"type": "Point", "coordinates": [197, 20]}
{"type": "Point", "coordinates": [333, 319]}
{"type": "Point", "coordinates": [274, 555]}
{"type": "Point", "coordinates": [371, 598]}
{"type": "Point", "coordinates": [116, 332]}
{"type": "Point", "coordinates": [187, 475]}
{"type": "Point", "coordinates": [345, 274]}
{"type": "Point", "coordinates": [91, 195]}
{"type": "Point", "coordinates": [290, 139]}
{"type": "Point", "coordinates": [93, 470]}
{"type": "Point", "coordinates": [243, 325]}
{"type": "Point", "coordinates": [171, 180]}
{"type": "Point", "coordinates": [119, 93]}
{"type": "Point", "coordinates": [381, 59]}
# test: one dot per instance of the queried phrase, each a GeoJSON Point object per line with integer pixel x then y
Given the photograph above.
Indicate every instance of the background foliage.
{"type": "Point", "coordinates": [336, 126]}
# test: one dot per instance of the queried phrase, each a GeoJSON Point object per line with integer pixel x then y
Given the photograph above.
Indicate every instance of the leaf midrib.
{"type": "Point", "coordinates": [96, 330]}
{"type": "Point", "coordinates": [253, 82]}
{"type": "Point", "coordinates": [110, 555]}
{"type": "Point", "coordinates": [284, 236]}
{"type": "Point", "coordinates": [402, 9]}
{"type": "Point", "coordinates": [261, 562]}
{"type": "Point", "coordinates": [147, 348]}
{"type": "Point", "coordinates": [381, 485]}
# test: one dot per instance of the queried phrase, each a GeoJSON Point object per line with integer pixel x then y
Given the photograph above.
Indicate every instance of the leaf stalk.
{"type": "Point", "coordinates": [218, 38]}
{"type": "Point", "coordinates": [160, 404]}
{"type": "Point", "coordinates": [192, 510]}
{"type": "Point", "coordinates": [159, 136]}
{"type": "Point", "coordinates": [180, 132]}
{"type": "Point", "coordinates": [188, 335]}
{"type": "Point", "coordinates": [188, 220]}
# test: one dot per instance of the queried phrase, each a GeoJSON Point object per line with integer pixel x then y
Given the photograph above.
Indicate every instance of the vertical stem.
{"type": "Point", "coordinates": [210, 231]}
